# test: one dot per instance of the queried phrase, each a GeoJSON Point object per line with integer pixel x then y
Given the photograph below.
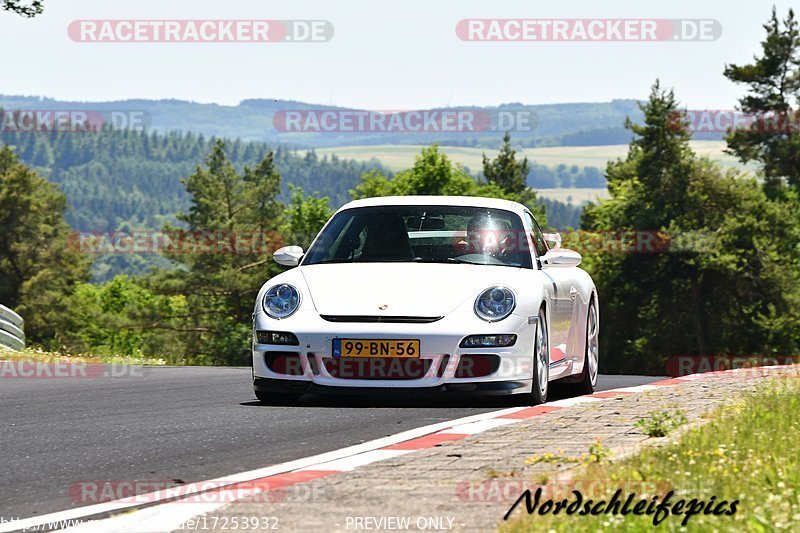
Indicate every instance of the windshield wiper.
{"type": "Point", "coordinates": [331, 261]}
{"type": "Point", "coordinates": [443, 260]}
{"type": "Point", "coordinates": [359, 260]}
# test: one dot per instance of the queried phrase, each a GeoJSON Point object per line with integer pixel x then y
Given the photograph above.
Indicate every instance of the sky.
{"type": "Point", "coordinates": [383, 55]}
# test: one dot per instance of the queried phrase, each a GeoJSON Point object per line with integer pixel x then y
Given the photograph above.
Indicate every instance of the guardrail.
{"type": "Point", "coordinates": [12, 329]}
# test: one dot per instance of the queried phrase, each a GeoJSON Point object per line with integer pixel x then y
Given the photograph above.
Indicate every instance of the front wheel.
{"type": "Point", "coordinates": [591, 360]}
{"type": "Point", "coordinates": [541, 363]}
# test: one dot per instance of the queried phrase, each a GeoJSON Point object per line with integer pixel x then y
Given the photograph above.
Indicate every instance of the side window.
{"type": "Point", "coordinates": [361, 240]}
{"type": "Point", "coordinates": [536, 233]}
{"type": "Point", "coordinates": [338, 249]}
{"type": "Point", "coordinates": [541, 243]}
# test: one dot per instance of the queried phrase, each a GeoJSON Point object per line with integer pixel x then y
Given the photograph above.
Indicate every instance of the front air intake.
{"type": "Point", "coordinates": [382, 319]}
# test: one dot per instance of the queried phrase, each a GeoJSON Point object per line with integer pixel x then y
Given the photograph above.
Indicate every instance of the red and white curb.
{"type": "Point", "coordinates": [170, 508]}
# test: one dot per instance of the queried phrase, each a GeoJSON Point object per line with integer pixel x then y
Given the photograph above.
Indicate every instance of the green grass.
{"type": "Point", "coordinates": [401, 156]}
{"type": "Point", "coordinates": [746, 452]}
{"type": "Point", "coordinates": [661, 423]}
{"type": "Point", "coordinates": [37, 355]}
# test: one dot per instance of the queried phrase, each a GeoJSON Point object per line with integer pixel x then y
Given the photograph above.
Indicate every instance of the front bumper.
{"type": "Point", "coordinates": [489, 388]}
{"type": "Point", "coordinates": [439, 369]}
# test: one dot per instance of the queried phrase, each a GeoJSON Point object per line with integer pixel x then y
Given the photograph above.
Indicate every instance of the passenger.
{"type": "Point", "coordinates": [486, 235]}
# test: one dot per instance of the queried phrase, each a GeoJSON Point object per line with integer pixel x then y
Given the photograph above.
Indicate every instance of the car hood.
{"type": "Point", "coordinates": [406, 289]}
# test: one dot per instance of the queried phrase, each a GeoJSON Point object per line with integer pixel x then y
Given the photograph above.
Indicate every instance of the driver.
{"type": "Point", "coordinates": [485, 235]}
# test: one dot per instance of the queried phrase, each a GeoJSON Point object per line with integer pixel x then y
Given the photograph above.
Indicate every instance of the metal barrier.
{"type": "Point", "coordinates": [12, 334]}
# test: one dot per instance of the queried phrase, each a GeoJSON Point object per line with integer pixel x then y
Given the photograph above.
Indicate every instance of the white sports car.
{"type": "Point", "coordinates": [439, 293]}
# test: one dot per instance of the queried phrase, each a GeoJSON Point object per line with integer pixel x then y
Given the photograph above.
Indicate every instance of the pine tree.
{"type": "Point", "coordinates": [505, 171]}
{"type": "Point", "coordinates": [773, 85]}
{"type": "Point", "coordinates": [511, 177]}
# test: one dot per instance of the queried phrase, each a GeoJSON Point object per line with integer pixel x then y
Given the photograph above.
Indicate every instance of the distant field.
{"type": "Point", "coordinates": [399, 157]}
{"type": "Point", "coordinates": [572, 196]}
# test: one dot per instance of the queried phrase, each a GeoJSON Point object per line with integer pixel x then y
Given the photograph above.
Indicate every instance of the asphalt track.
{"type": "Point", "coordinates": [181, 425]}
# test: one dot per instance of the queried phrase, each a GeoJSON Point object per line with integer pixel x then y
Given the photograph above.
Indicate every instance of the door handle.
{"type": "Point", "coordinates": [573, 293]}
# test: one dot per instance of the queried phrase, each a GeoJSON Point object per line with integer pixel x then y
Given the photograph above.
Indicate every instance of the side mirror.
{"type": "Point", "coordinates": [554, 238]}
{"type": "Point", "coordinates": [559, 257]}
{"type": "Point", "coordinates": [289, 256]}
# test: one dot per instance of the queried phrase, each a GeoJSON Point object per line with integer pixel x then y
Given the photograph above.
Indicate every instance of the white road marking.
{"type": "Point", "coordinates": [481, 426]}
{"type": "Point", "coordinates": [639, 388]}
{"type": "Point", "coordinates": [354, 461]}
{"type": "Point", "coordinates": [569, 402]}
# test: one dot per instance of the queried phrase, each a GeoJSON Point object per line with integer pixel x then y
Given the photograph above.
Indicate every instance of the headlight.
{"type": "Point", "coordinates": [495, 303]}
{"type": "Point", "coordinates": [281, 301]}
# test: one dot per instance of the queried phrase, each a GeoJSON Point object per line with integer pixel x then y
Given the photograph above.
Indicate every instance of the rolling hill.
{"type": "Point", "coordinates": [573, 124]}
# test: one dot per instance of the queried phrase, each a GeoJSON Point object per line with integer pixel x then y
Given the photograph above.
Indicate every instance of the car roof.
{"type": "Point", "coordinates": [458, 201]}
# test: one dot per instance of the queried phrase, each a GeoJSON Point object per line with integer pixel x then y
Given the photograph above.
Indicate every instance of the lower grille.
{"type": "Point", "coordinates": [476, 365]}
{"type": "Point", "coordinates": [377, 368]}
{"type": "Point", "coordinates": [287, 363]}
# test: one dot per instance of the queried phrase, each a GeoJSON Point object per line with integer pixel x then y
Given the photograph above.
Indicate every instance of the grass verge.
{"type": "Point", "coordinates": [41, 356]}
{"type": "Point", "coordinates": [746, 452]}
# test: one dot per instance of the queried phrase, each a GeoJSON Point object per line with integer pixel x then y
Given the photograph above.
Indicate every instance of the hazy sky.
{"type": "Point", "coordinates": [384, 55]}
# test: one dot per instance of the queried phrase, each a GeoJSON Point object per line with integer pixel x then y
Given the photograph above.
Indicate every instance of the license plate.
{"type": "Point", "coordinates": [375, 348]}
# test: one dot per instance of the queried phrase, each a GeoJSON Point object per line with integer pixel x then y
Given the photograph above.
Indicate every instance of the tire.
{"type": "Point", "coordinates": [588, 379]}
{"type": "Point", "coordinates": [541, 364]}
{"type": "Point", "coordinates": [273, 398]}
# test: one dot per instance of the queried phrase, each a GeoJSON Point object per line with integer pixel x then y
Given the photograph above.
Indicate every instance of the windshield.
{"type": "Point", "coordinates": [423, 234]}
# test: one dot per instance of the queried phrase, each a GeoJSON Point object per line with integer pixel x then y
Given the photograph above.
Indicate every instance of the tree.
{"type": "Point", "coordinates": [224, 254]}
{"type": "Point", "coordinates": [773, 84]}
{"type": "Point", "coordinates": [306, 216]}
{"type": "Point", "coordinates": [29, 9]}
{"type": "Point", "coordinates": [505, 171]}
{"type": "Point", "coordinates": [720, 277]}
{"type": "Point", "coordinates": [39, 268]}
{"type": "Point", "coordinates": [122, 318]}
{"type": "Point", "coordinates": [432, 174]}
{"type": "Point", "coordinates": [511, 176]}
